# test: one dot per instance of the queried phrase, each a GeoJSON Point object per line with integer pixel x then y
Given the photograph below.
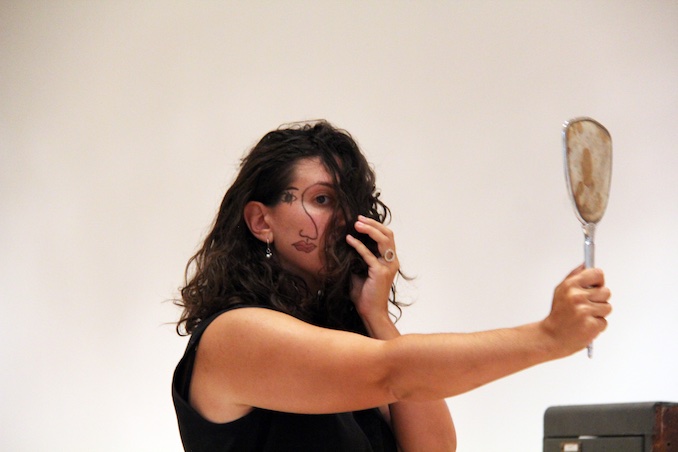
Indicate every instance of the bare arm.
{"type": "Point", "coordinates": [258, 357]}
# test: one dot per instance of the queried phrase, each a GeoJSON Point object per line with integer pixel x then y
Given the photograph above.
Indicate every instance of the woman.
{"type": "Point", "coordinates": [288, 301]}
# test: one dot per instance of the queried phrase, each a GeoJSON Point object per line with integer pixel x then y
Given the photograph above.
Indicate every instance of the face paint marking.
{"type": "Point", "coordinates": [288, 197]}
{"type": "Point", "coordinates": [304, 246]}
{"type": "Point", "coordinates": [306, 208]}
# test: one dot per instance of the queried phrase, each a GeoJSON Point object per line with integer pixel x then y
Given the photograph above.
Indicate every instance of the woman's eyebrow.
{"type": "Point", "coordinates": [321, 183]}
{"type": "Point", "coordinates": [325, 184]}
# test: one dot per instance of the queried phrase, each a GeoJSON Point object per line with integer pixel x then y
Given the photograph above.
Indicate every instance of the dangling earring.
{"type": "Point", "coordinates": [269, 253]}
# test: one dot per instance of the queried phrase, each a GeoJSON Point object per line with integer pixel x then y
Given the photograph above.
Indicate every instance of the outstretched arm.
{"type": "Point", "coordinates": [258, 357]}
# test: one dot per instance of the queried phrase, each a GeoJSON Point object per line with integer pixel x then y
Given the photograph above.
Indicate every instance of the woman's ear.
{"type": "Point", "coordinates": [255, 217]}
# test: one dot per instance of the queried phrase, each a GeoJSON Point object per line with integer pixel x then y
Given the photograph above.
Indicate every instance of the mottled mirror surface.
{"type": "Point", "coordinates": [588, 167]}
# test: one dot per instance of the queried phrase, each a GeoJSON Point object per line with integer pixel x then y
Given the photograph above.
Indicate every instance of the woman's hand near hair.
{"type": "Point", "coordinates": [370, 295]}
{"type": "Point", "coordinates": [416, 425]}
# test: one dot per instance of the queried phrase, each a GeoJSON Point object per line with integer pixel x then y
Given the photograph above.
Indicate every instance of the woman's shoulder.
{"type": "Point", "coordinates": [235, 323]}
{"type": "Point", "coordinates": [218, 317]}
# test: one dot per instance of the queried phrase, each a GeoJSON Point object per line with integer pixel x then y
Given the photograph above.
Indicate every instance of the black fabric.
{"type": "Point", "coordinates": [269, 431]}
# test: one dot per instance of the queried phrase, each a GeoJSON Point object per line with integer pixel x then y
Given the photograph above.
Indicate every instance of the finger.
{"type": "Point", "coordinates": [599, 309]}
{"type": "Point", "coordinates": [602, 310]}
{"type": "Point", "coordinates": [384, 242]}
{"type": "Point", "coordinates": [602, 324]}
{"type": "Point", "coordinates": [382, 228]}
{"type": "Point", "coordinates": [364, 252]}
{"type": "Point", "coordinates": [599, 294]}
{"type": "Point", "coordinates": [374, 228]}
{"type": "Point", "coordinates": [592, 277]}
{"type": "Point", "coordinates": [600, 317]}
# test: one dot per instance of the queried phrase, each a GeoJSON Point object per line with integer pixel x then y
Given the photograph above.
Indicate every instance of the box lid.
{"type": "Point", "coordinates": [622, 419]}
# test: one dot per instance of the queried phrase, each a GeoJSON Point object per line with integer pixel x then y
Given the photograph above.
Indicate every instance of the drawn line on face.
{"type": "Point", "coordinates": [288, 197]}
{"type": "Point", "coordinates": [315, 225]}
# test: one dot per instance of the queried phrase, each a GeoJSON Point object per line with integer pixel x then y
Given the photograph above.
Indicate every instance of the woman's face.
{"type": "Point", "coordinates": [300, 219]}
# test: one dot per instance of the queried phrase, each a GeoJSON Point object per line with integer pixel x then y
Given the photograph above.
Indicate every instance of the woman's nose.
{"type": "Point", "coordinates": [310, 229]}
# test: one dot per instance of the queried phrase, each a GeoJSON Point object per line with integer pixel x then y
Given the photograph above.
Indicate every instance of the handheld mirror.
{"type": "Point", "coordinates": [587, 148]}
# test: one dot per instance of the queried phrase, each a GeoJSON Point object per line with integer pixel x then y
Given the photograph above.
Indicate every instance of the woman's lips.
{"type": "Point", "coordinates": [306, 247]}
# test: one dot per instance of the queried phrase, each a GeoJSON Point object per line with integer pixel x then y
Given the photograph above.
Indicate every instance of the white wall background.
{"type": "Point", "coordinates": [122, 122]}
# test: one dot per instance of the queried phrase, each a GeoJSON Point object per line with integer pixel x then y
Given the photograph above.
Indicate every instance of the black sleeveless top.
{"type": "Point", "coordinates": [265, 430]}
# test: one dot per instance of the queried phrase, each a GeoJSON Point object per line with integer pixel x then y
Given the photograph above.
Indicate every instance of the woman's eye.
{"type": "Point", "coordinates": [323, 199]}
{"type": "Point", "coordinates": [288, 197]}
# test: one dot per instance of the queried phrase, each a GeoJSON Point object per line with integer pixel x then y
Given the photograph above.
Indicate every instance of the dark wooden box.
{"type": "Point", "coordinates": [623, 427]}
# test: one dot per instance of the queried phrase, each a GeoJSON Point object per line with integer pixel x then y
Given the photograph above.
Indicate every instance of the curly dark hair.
{"type": "Point", "coordinates": [230, 268]}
